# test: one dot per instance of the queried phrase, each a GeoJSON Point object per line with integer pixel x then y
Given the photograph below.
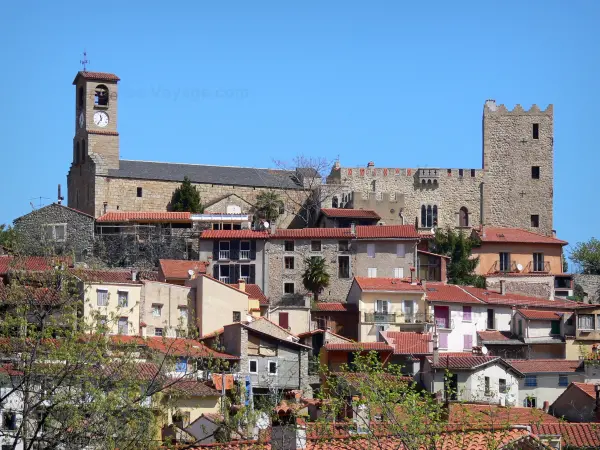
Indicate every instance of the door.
{"type": "Point", "coordinates": [284, 320]}
{"type": "Point", "coordinates": [442, 316]}
{"type": "Point", "coordinates": [555, 327]}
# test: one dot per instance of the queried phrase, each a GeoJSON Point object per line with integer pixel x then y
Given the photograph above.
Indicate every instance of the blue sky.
{"type": "Point", "coordinates": [242, 83]}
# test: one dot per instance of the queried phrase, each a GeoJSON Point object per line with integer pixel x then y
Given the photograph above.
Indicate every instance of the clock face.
{"type": "Point", "coordinates": [101, 118]}
{"type": "Point", "coordinates": [81, 119]}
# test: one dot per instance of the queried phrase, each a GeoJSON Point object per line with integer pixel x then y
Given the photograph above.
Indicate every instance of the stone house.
{"type": "Point", "coordinates": [56, 230]}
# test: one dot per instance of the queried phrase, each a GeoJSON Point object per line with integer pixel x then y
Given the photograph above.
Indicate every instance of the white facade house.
{"type": "Point", "coordinates": [543, 331]}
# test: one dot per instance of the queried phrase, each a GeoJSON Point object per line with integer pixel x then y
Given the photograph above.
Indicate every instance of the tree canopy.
{"type": "Point", "coordinates": [186, 198]}
{"type": "Point", "coordinates": [586, 255]}
{"type": "Point", "coordinates": [315, 276]}
{"type": "Point", "coordinates": [458, 247]}
{"type": "Point", "coordinates": [268, 205]}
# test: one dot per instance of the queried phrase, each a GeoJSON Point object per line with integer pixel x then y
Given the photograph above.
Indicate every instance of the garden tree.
{"type": "Point", "coordinates": [8, 237]}
{"type": "Point", "coordinates": [565, 263]}
{"type": "Point", "coordinates": [458, 247]}
{"type": "Point", "coordinates": [268, 204]}
{"type": "Point", "coordinates": [186, 198]}
{"type": "Point", "coordinates": [586, 255]}
{"type": "Point", "coordinates": [70, 385]}
{"type": "Point", "coordinates": [315, 277]}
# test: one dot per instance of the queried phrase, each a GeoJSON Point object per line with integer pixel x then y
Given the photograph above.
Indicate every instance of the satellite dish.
{"type": "Point", "coordinates": [190, 272]}
{"type": "Point", "coordinates": [484, 349]}
{"type": "Point", "coordinates": [519, 267]}
{"type": "Point", "coordinates": [266, 224]}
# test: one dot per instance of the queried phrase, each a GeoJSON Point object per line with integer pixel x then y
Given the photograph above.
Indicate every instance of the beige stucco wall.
{"type": "Point", "coordinates": [174, 299]}
{"type": "Point", "coordinates": [298, 318]}
{"type": "Point", "coordinates": [112, 311]}
{"type": "Point", "coordinates": [195, 406]}
{"type": "Point", "coordinates": [519, 254]}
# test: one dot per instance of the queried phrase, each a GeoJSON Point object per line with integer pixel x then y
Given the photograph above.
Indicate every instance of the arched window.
{"type": "Point", "coordinates": [334, 202]}
{"type": "Point", "coordinates": [77, 154]}
{"type": "Point", "coordinates": [463, 217]}
{"type": "Point", "coordinates": [101, 95]}
{"type": "Point", "coordinates": [83, 151]}
{"type": "Point", "coordinates": [423, 216]}
{"type": "Point", "coordinates": [429, 216]}
{"type": "Point", "coordinates": [434, 221]}
{"type": "Point", "coordinates": [80, 97]}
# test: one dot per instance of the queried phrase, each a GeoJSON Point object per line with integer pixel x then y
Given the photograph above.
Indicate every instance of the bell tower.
{"type": "Point", "coordinates": [96, 139]}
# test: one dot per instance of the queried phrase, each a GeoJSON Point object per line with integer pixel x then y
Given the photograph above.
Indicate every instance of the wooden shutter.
{"type": "Point", "coordinates": [234, 251]}
{"type": "Point", "coordinates": [253, 344]}
{"type": "Point", "coordinates": [215, 250]}
{"type": "Point", "coordinates": [284, 321]}
{"type": "Point", "coordinates": [216, 271]}
{"type": "Point", "coordinates": [234, 270]}
{"type": "Point", "coordinates": [252, 249]}
{"type": "Point", "coordinates": [252, 277]}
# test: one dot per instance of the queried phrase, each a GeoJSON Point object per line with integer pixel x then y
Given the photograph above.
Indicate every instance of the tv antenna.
{"type": "Point", "coordinates": [39, 200]}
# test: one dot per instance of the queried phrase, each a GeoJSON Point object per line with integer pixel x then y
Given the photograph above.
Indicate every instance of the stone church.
{"type": "Point", "coordinates": [513, 188]}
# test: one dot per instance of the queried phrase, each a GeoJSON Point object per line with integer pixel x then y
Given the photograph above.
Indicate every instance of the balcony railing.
{"type": "Point", "coordinates": [398, 318]}
{"type": "Point", "coordinates": [223, 254]}
{"type": "Point", "coordinates": [224, 280]}
{"type": "Point", "coordinates": [377, 317]}
{"type": "Point", "coordinates": [417, 318]}
{"type": "Point", "coordinates": [509, 267]}
{"type": "Point", "coordinates": [244, 254]}
{"type": "Point", "coordinates": [539, 267]}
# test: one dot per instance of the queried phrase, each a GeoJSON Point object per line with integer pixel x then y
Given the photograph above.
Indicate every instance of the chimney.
{"type": "Point", "coordinates": [308, 300]}
{"type": "Point", "coordinates": [288, 433]}
{"type": "Point", "coordinates": [242, 284]}
{"type": "Point", "coordinates": [272, 228]}
{"type": "Point", "coordinates": [502, 287]}
{"type": "Point", "coordinates": [134, 275]}
{"type": "Point", "coordinates": [60, 197]}
{"type": "Point", "coordinates": [436, 352]}
{"type": "Point", "coordinates": [546, 406]}
{"type": "Point", "coordinates": [412, 276]}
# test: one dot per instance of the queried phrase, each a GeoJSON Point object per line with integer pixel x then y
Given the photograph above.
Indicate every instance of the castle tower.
{"type": "Point", "coordinates": [518, 161]}
{"type": "Point", "coordinates": [96, 140]}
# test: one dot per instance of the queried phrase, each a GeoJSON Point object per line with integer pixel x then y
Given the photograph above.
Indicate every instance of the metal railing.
{"type": "Point", "coordinates": [244, 254]}
{"type": "Point", "coordinates": [223, 254]}
{"type": "Point", "coordinates": [540, 266]}
{"type": "Point", "coordinates": [377, 317]}
{"type": "Point", "coordinates": [509, 267]}
{"type": "Point", "coordinates": [224, 280]}
{"type": "Point", "coordinates": [417, 318]}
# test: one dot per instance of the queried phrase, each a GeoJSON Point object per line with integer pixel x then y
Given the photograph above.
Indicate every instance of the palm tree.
{"type": "Point", "coordinates": [268, 205]}
{"type": "Point", "coordinates": [315, 277]}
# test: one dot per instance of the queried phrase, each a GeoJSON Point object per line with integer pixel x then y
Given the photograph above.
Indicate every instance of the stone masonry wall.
{"type": "Point", "coordinates": [590, 285]}
{"type": "Point", "coordinates": [535, 286]}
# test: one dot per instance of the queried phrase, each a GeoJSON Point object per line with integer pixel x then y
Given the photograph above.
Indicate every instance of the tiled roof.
{"type": "Point", "coordinates": [588, 388]}
{"type": "Point", "coordinates": [387, 284]}
{"type": "Point", "coordinates": [191, 388]}
{"type": "Point", "coordinates": [234, 234]}
{"type": "Point", "coordinates": [54, 205]}
{"type": "Point", "coordinates": [409, 343]}
{"type": "Point", "coordinates": [173, 346]}
{"type": "Point", "coordinates": [254, 292]}
{"type": "Point", "coordinates": [495, 298]}
{"type": "Point", "coordinates": [145, 216]}
{"type": "Point", "coordinates": [221, 175]}
{"type": "Point", "coordinates": [448, 293]}
{"type": "Point", "coordinates": [350, 213]}
{"type": "Point", "coordinates": [516, 235]}
{"type": "Point", "coordinates": [546, 365]}
{"type": "Point", "coordinates": [386, 232]}
{"type": "Point", "coordinates": [359, 346]}
{"type": "Point", "coordinates": [105, 276]}
{"type": "Point", "coordinates": [178, 268]}
{"type": "Point", "coordinates": [487, 415]}
{"type": "Point", "coordinates": [100, 76]}
{"type": "Point", "coordinates": [494, 335]}
{"type": "Point", "coordinates": [574, 435]}
{"type": "Point", "coordinates": [534, 314]}
{"type": "Point", "coordinates": [30, 263]}
{"type": "Point", "coordinates": [312, 233]}
{"type": "Point", "coordinates": [330, 306]}
{"type": "Point", "coordinates": [463, 360]}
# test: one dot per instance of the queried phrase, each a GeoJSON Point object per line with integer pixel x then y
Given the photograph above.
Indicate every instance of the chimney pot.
{"type": "Point", "coordinates": [134, 275]}
{"type": "Point", "coordinates": [503, 287]}
{"type": "Point", "coordinates": [242, 284]}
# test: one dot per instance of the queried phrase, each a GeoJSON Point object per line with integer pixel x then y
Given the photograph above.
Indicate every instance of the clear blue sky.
{"type": "Point", "coordinates": [399, 83]}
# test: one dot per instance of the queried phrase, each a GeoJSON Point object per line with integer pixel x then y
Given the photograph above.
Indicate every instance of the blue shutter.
{"type": "Point", "coordinates": [216, 271]}
{"type": "Point", "coordinates": [234, 251]}
{"type": "Point", "coordinates": [252, 277]}
{"type": "Point", "coordinates": [215, 250]}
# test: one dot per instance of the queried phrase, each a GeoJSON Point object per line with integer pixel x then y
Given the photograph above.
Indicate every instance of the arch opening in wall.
{"type": "Point", "coordinates": [334, 202]}
{"type": "Point", "coordinates": [80, 97]}
{"type": "Point", "coordinates": [101, 95]}
{"type": "Point", "coordinates": [463, 217]}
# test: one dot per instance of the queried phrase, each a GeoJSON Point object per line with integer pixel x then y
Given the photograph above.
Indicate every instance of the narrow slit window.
{"type": "Point", "coordinates": [536, 131]}
{"type": "Point", "coordinates": [139, 192]}
{"type": "Point", "coordinates": [535, 172]}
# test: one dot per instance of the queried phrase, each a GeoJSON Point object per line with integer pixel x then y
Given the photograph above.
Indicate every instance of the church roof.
{"type": "Point", "coordinates": [100, 76]}
{"type": "Point", "coordinates": [223, 175]}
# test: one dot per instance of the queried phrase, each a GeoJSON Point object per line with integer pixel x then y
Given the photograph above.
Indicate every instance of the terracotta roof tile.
{"type": "Point", "coordinates": [178, 268]}
{"type": "Point", "coordinates": [105, 276]}
{"type": "Point", "coordinates": [574, 435]}
{"type": "Point", "coordinates": [145, 216]}
{"type": "Point", "coordinates": [30, 263]}
{"type": "Point", "coordinates": [313, 233]}
{"type": "Point", "coordinates": [588, 388]}
{"type": "Point", "coordinates": [516, 235]}
{"type": "Point", "coordinates": [534, 314]}
{"type": "Point", "coordinates": [359, 346]}
{"type": "Point", "coordinates": [173, 346]}
{"type": "Point", "coordinates": [387, 284]}
{"type": "Point", "coordinates": [100, 76]}
{"type": "Point", "coordinates": [546, 365]}
{"type": "Point", "coordinates": [495, 298]}
{"type": "Point", "coordinates": [350, 213]}
{"type": "Point", "coordinates": [448, 293]}
{"type": "Point", "coordinates": [465, 360]}
{"type": "Point", "coordinates": [386, 232]}
{"type": "Point", "coordinates": [409, 343]}
{"type": "Point", "coordinates": [254, 292]}
{"type": "Point", "coordinates": [331, 306]}
{"type": "Point", "coordinates": [191, 388]}
{"type": "Point", "coordinates": [234, 234]}
{"type": "Point", "coordinates": [494, 415]}
{"type": "Point", "coordinates": [494, 335]}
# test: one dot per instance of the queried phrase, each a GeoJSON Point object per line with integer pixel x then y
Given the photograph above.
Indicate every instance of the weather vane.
{"type": "Point", "coordinates": [84, 61]}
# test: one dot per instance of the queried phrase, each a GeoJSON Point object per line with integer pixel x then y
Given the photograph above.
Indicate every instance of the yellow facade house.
{"type": "Point", "coordinates": [388, 304]}
{"type": "Point", "coordinates": [167, 309]}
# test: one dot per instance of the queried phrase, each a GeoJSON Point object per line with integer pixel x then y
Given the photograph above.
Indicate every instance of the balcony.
{"type": "Point", "coordinates": [538, 267]}
{"type": "Point", "coordinates": [224, 280]}
{"type": "Point", "coordinates": [223, 254]}
{"type": "Point", "coordinates": [417, 318]}
{"type": "Point", "coordinates": [377, 317]}
{"type": "Point", "coordinates": [244, 254]}
{"type": "Point", "coordinates": [503, 267]}
{"type": "Point", "coordinates": [428, 177]}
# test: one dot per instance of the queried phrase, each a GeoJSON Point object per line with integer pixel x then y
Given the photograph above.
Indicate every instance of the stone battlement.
{"type": "Point", "coordinates": [490, 108]}
{"type": "Point", "coordinates": [390, 172]}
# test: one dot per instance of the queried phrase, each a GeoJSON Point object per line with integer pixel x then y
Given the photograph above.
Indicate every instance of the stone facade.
{"type": "Point", "coordinates": [78, 232]}
{"type": "Point", "coordinates": [590, 284]}
{"type": "Point", "coordinates": [536, 286]}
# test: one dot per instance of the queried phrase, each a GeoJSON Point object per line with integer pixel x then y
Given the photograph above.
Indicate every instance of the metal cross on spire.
{"type": "Point", "coordinates": [84, 62]}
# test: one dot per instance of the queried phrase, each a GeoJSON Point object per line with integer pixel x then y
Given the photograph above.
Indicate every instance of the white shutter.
{"type": "Point", "coordinates": [400, 250]}
{"type": "Point", "coordinates": [399, 272]}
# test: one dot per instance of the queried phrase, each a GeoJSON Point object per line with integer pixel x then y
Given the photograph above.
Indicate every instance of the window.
{"type": "Point", "coordinates": [123, 326]}
{"type": "Point", "coordinates": [472, 173]}
{"type": "Point", "coordinates": [102, 323]}
{"type": "Point", "coordinates": [9, 420]}
{"type": "Point", "coordinates": [372, 272]}
{"type": "Point", "coordinates": [245, 250]}
{"type": "Point", "coordinates": [487, 385]}
{"type": "Point", "coordinates": [563, 380]}
{"type": "Point", "coordinates": [343, 246]}
{"type": "Point", "coordinates": [382, 306]}
{"type": "Point", "coordinates": [400, 250]}
{"type": "Point", "coordinates": [289, 262]}
{"type": "Point", "coordinates": [139, 191]}
{"type": "Point", "coordinates": [123, 299]}
{"type": "Point", "coordinates": [183, 313]}
{"type": "Point", "coordinates": [55, 232]}
{"type": "Point", "coordinates": [334, 202]}
{"type": "Point", "coordinates": [158, 332]}
{"type": "Point", "coordinates": [237, 316]}
{"type": "Point", "coordinates": [429, 215]}
{"type": "Point", "coordinates": [520, 328]}
{"type": "Point", "coordinates": [535, 172]}
{"type": "Point", "coordinates": [223, 249]}
{"type": "Point", "coordinates": [284, 320]}
{"type": "Point", "coordinates": [504, 261]}
{"type": "Point", "coordinates": [253, 366]}
{"type": "Point", "coordinates": [79, 105]}
{"type": "Point", "coordinates": [343, 266]}
{"type": "Point", "coordinates": [83, 150]}
{"type": "Point", "coordinates": [398, 272]}
{"type": "Point", "coordinates": [443, 340]}
{"type": "Point", "coordinates": [535, 221]}
{"type": "Point", "coordinates": [463, 217]}
{"type": "Point", "coordinates": [371, 250]}
{"type": "Point", "coordinates": [536, 131]}
{"type": "Point", "coordinates": [288, 288]}
{"type": "Point", "coordinates": [468, 342]}
{"type": "Point", "coordinates": [538, 262]}
{"type": "Point", "coordinates": [102, 297]}
{"type": "Point", "coordinates": [272, 367]}
{"type": "Point", "coordinates": [466, 314]}
{"type": "Point", "coordinates": [373, 185]}
{"type": "Point", "coordinates": [585, 321]}
{"type": "Point", "coordinates": [408, 308]}
{"type": "Point", "coordinates": [101, 95]}
{"type": "Point", "coordinates": [378, 330]}
{"type": "Point", "coordinates": [315, 246]}
{"type": "Point", "coordinates": [530, 380]}
{"type": "Point", "coordinates": [156, 310]}
{"type": "Point", "coordinates": [224, 273]}
{"type": "Point", "coordinates": [490, 319]}
{"type": "Point", "coordinates": [502, 386]}
{"type": "Point", "coordinates": [288, 246]}
{"type": "Point", "coordinates": [460, 172]}
{"type": "Point", "coordinates": [530, 402]}
{"type": "Point", "coordinates": [181, 365]}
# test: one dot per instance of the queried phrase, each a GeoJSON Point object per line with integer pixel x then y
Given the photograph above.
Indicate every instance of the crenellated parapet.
{"type": "Point", "coordinates": [491, 108]}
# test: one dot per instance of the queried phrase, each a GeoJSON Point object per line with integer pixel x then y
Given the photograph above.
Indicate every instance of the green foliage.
{"type": "Point", "coordinates": [565, 263]}
{"type": "Point", "coordinates": [186, 198]}
{"type": "Point", "coordinates": [315, 277]}
{"type": "Point", "coordinates": [8, 237]}
{"type": "Point", "coordinates": [268, 205]}
{"type": "Point", "coordinates": [458, 247]}
{"type": "Point", "coordinates": [586, 255]}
